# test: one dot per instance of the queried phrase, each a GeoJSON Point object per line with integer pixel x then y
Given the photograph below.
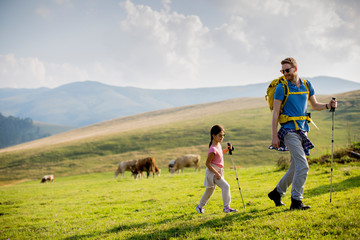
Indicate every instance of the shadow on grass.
{"type": "Point", "coordinates": [183, 229]}
{"type": "Point", "coordinates": [113, 230]}
{"type": "Point", "coordinates": [337, 187]}
{"type": "Point", "coordinates": [194, 229]}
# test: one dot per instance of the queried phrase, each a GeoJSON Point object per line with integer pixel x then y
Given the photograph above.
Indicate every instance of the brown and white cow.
{"type": "Point", "coordinates": [125, 166]}
{"type": "Point", "coordinates": [47, 178]}
{"type": "Point", "coordinates": [147, 165]}
{"type": "Point", "coordinates": [185, 161]}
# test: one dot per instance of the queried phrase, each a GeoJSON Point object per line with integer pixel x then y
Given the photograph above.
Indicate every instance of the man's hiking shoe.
{"type": "Point", "coordinates": [199, 209]}
{"type": "Point", "coordinates": [276, 197]}
{"type": "Point", "coordinates": [229, 210]}
{"type": "Point", "coordinates": [298, 204]}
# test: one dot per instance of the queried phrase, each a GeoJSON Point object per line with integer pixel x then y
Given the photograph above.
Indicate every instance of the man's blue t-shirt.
{"type": "Point", "coordinates": [296, 104]}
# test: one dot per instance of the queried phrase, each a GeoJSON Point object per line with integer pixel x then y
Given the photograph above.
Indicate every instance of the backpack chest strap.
{"type": "Point", "coordinates": [298, 92]}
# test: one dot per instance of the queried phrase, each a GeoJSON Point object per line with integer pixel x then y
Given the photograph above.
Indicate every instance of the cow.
{"type": "Point", "coordinates": [47, 178]}
{"type": "Point", "coordinates": [147, 165]}
{"type": "Point", "coordinates": [171, 165]}
{"type": "Point", "coordinates": [125, 166]}
{"type": "Point", "coordinates": [188, 160]}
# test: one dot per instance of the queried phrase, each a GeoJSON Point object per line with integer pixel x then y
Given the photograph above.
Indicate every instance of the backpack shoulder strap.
{"type": "Point", "coordinates": [286, 92]}
{"type": "Point", "coordinates": [306, 83]}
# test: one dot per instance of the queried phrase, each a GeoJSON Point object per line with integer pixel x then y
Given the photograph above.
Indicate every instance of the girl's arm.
{"type": "Point", "coordinates": [210, 167]}
{"type": "Point", "coordinates": [226, 150]}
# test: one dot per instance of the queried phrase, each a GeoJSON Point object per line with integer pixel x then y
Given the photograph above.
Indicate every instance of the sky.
{"type": "Point", "coordinates": [175, 44]}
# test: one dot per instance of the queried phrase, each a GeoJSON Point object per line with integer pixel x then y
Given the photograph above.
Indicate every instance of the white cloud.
{"type": "Point", "coordinates": [43, 12]}
{"type": "Point", "coordinates": [167, 45]}
{"type": "Point", "coordinates": [33, 73]}
{"type": "Point", "coordinates": [23, 72]}
{"type": "Point", "coordinates": [166, 4]}
{"type": "Point", "coordinates": [318, 33]}
{"type": "Point", "coordinates": [233, 38]}
{"type": "Point", "coordinates": [136, 45]}
{"type": "Point", "coordinates": [67, 3]}
{"type": "Point", "coordinates": [46, 11]}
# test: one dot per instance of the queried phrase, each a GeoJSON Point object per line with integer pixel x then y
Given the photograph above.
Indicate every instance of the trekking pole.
{"type": "Point", "coordinates": [237, 179]}
{"type": "Point", "coordinates": [332, 145]}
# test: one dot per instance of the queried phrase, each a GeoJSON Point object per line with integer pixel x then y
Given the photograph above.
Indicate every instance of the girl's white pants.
{"type": "Point", "coordinates": [225, 189]}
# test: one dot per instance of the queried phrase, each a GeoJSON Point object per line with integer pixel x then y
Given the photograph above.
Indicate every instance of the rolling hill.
{"type": "Point", "coordinates": [141, 121]}
{"type": "Point", "coordinates": [167, 134]}
{"type": "Point", "coordinates": [84, 103]}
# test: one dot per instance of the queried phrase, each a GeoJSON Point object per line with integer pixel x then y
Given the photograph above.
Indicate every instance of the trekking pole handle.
{"type": "Point", "coordinates": [332, 108]}
{"type": "Point", "coordinates": [230, 149]}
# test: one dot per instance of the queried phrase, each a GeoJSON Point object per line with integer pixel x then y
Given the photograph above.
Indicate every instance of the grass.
{"type": "Point", "coordinates": [86, 202]}
{"type": "Point", "coordinates": [248, 130]}
{"type": "Point", "coordinates": [96, 206]}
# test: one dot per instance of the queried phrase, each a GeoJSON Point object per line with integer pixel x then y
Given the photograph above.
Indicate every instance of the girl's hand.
{"type": "Point", "coordinates": [229, 147]}
{"type": "Point", "coordinates": [218, 176]}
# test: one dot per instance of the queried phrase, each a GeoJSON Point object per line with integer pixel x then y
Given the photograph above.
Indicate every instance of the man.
{"type": "Point", "coordinates": [293, 133]}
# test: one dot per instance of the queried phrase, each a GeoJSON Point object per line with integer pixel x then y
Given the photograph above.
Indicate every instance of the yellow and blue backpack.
{"type": "Point", "coordinates": [269, 97]}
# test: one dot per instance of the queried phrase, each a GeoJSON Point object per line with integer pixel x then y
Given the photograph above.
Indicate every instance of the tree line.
{"type": "Point", "coordinates": [14, 130]}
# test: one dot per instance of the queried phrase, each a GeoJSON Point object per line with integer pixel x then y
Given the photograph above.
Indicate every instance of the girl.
{"type": "Point", "coordinates": [214, 174]}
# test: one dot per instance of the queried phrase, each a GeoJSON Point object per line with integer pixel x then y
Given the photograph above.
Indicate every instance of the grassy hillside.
{"type": "Point", "coordinates": [168, 134]}
{"type": "Point", "coordinates": [51, 128]}
{"type": "Point", "coordinates": [96, 206]}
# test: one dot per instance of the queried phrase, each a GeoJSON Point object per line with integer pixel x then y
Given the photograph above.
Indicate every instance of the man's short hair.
{"type": "Point", "coordinates": [290, 61]}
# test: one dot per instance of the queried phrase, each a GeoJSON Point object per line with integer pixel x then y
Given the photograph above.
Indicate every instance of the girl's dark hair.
{"type": "Point", "coordinates": [215, 130]}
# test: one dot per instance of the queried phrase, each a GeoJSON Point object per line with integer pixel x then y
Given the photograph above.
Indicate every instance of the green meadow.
{"type": "Point", "coordinates": [87, 202]}
{"type": "Point", "coordinates": [98, 206]}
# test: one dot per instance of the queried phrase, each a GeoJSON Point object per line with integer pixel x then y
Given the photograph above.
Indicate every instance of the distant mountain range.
{"type": "Point", "coordinates": [84, 103]}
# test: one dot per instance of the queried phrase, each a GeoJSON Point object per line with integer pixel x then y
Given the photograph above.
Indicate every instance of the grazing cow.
{"type": "Point", "coordinates": [47, 178]}
{"type": "Point", "coordinates": [188, 160]}
{"type": "Point", "coordinates": [145, 165]}
{"type": "Point", "coordinates": [171, 165]}
{"type": "Point", "coordinates": [125, 166]}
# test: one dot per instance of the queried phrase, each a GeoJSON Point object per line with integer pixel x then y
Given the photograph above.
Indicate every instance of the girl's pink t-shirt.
{"type": "Point", "coordinates": [218, 159]}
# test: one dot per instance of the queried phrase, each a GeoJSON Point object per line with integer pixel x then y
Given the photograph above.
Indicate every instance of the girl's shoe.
{"type": "Point", "coordinates": [229, 209]}
{"type": "Point", "coordinates": [199, 209]}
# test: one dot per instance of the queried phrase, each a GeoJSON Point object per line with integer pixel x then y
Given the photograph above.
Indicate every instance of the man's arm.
{"type": "Point", "coordinates": [275, 120]}
{"type": "Point", "coordinates": [321, 106]}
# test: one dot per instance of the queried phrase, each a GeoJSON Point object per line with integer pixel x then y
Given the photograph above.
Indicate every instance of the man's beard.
{"type": "Point", "coordinates": [290, 76]}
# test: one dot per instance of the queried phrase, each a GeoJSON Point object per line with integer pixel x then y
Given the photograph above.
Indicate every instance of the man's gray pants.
{"type": "Point", "coordinates": [298, 170]}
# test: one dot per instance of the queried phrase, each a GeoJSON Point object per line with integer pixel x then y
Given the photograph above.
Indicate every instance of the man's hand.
{"type": "Point", "coordinates": [332, 104]}
{"type": "Point", "coordinates": [275, 142]}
